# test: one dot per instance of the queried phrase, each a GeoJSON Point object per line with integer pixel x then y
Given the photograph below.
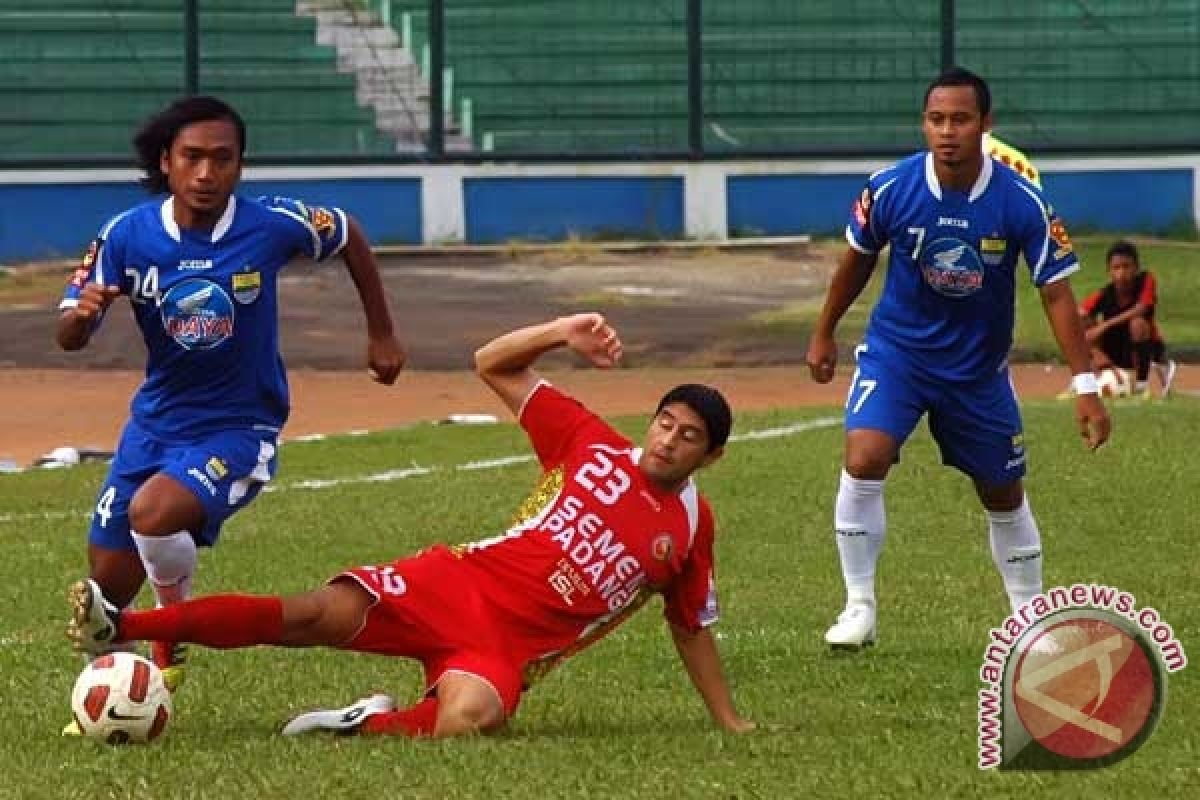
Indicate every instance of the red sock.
{"type": "Point", "coordinates": [222, 620]}
{"type": "Point", "coordinates": [419, 720]}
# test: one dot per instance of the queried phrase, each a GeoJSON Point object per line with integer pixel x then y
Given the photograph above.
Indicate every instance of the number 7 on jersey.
{"type": "Point", "coordinates": [863, 388]}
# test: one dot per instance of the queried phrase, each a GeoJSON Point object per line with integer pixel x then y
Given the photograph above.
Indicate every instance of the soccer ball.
{"type": "Point", "coordinates": [1114, 382]}
{"type": "Point", "coordinates": [119, 698]}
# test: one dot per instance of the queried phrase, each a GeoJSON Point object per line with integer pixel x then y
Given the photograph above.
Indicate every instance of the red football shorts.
{"type": "Point", "coordinates": [427, 608]}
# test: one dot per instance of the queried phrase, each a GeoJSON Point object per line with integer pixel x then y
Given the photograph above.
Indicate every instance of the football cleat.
{"type": "Point", "coordinates": [854, 629]}
{"type": "Point", "coordinates": [169, 657]}
{"type": "Point", "coordinates": [93, 625]}
{"type": "Point", "coordinates": [1166, 375]}
{"type": "Point", "coordinates": [340, 720]}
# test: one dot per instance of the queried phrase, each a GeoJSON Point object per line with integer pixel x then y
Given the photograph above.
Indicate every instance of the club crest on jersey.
{"type": "Point", "coordinates": [992, 249]}
{"type": "Point", "coordinates": [952, 268]}
{"type": "Point", "coordinates": [246, 286]}
{"type": "Point", "coordinates": [662, 546]}
{"type": "Point", "coordinates": [197, 314]}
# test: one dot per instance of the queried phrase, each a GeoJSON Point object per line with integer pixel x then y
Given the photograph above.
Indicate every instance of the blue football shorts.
{"type": "Point", "coordinates": [225, 471]}
{"type": "Point", "coordinates": [977, 426]}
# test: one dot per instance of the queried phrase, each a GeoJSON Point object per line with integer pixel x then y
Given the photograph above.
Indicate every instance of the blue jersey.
{"type": "Point", "coordinates": [206, 305]}
{"type": "Point", "coordinates": [947, 306]}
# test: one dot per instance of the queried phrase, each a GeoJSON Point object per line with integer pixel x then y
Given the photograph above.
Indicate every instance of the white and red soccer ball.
{"type": "Point", "coordinates": [1114, 382]}
{"type": "Point", "coordinates": [121, 698]}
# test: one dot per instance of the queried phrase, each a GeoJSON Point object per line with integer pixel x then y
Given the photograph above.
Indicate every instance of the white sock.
{"type": "Point", "coordinates": [170, 562]}
{"type": "Point", "coordinates": [860, 525]}
{"type": "Point", "coordinates": [1017, 551]}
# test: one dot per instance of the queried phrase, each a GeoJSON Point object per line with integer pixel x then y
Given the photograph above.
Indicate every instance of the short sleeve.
{"type": "Point", "coordinates": [102, 262]}
{"type": "Point", "coordinates": [690, 601]}
{"type": "Point", "coordinates": [555, 422]}
{"type": "Point", "coordinates": [1149, 294]}
{"type": "Point", "coordinates": [861, 233]}
{"type": "Point", "coordinates": [1043, 235]}
{"type": "Point", "coordinates": [317, 231]}
{"type": "Point", "coordinates": [1091, 303]}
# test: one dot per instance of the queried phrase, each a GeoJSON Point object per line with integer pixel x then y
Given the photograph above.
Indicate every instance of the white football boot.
{"type": "Point", "coordinates": [854, 629]}
{"type": "Point", "coordinates": [340, 720]}
{"type": "Point", "coordinates": [93, 625]}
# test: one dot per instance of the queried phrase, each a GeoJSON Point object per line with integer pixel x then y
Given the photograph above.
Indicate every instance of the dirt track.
{"type": "Point", "coordinates": [682, 317]}
{"type": "Point", "coordinates": [43, 409]}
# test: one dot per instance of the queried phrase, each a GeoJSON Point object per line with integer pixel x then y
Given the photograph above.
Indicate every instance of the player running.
{"type": "Point", "coordinates": [609, 525]}
{"type": "Point", "coordinates": [939, 337]}
{"type": "Point", "coordinates": [200, 268]}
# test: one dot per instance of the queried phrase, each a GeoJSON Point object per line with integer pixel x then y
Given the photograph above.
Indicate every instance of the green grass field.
{"type": "Point", "coordinates": [1176, 265]}
{"type": "Point", "coordinates": [621, 719]}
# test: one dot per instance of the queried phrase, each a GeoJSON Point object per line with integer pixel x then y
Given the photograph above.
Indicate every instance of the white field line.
{"type": "Point", "coordinates": [417, 470]}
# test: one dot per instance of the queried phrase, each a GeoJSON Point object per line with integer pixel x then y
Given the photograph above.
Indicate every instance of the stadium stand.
{"type": "Point", "coordinates": [588, 75]}
{"type": "Point", "coordinates": [77, 77]}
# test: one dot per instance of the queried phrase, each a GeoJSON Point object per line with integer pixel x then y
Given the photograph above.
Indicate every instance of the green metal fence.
{"type": "Point", "coordinates": [594, 78]}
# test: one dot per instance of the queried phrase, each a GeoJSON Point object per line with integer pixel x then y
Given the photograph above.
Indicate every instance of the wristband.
{"type": "Point", "coordinates": [1085, 383]}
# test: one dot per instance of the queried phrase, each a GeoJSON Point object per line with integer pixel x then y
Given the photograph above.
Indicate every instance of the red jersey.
{"type": "Point", "coordinates": [595, 540]}
{"type": "Point", "coordinates": [1108, 303]}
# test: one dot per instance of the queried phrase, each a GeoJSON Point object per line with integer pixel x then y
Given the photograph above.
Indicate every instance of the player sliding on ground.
{"type": "Point", "coordinates": [609, 525]}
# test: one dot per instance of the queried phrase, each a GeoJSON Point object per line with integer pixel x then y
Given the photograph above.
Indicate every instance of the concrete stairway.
{"type": "Point", "coordinates": [387, 78]}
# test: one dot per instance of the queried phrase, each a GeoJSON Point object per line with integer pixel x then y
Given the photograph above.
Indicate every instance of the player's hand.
{"type": "Point", "coordinates": [385, 359]}
{"type": "Point", "coordinates": [592, 337]}
{"type": "Point", "coordinates": [821, 358]}
{"type": "Point", "coordinates": [93, 299]}
{"type": "Point", "coordinates": [1094, 424]}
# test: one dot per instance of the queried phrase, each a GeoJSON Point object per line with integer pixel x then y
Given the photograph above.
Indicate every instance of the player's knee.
{"type": "Point", "coordinates": [466, 715]}
{"type": "Point", "coordinates": [1139, 329]}
{"type": "Point", "coordinates": [147, 513]}
{"type": "Point", "coordinates": [867, 465]}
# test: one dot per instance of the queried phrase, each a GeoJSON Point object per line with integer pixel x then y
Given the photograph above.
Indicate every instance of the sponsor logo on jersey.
{"type": "Point", "coordinates": [862, 207]}
{"type": "Point", "coordinates": [216, 468]}
{"type": "Point", "coordinates": [80, 276]}
{"type": "Point", "coordinates": [246, 286]}
{"type": "Point", "coordinates": [953, 222]}
{"type": "Point", "coordinates": [195, 264]}
{"type": "Point", "coordinates": [1058, 232]}
{"type": "Point", "coordinates": [197, 314]}
{"type": "Point", "coordinates": [952, 268]}
{"type": "Point", "coordinates": [322, 220]}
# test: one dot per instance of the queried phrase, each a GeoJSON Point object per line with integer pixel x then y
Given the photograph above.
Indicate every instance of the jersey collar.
{"type": "Point", "coordinates": [167, 212]}
{"type": "Point", "coordinates": [981, 183]}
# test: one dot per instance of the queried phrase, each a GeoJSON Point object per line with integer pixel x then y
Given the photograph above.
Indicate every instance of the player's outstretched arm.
{"type": "Point", "coordinates": [385, 354]}
{"type": "Point", "coordinates": [853, 271]}
{"type": "Point", "coordinates": [75, 325]}
{"type": "Point", "coordinates": [698, 651]}
{"type": "Point", "coordinates": [1058, 301]}
{"type": "Point", "coordinates": [506, 363]}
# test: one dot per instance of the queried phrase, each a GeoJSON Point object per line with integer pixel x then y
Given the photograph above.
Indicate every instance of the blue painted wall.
{"type": "Point", "coordinates": [58, 220]}
{"type": "Point", "coordinates": [785, 205]}
{"type": "Point", "coordinates": [1142, 201]}
{"type": "Point", "coordinates": [551, 208]}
